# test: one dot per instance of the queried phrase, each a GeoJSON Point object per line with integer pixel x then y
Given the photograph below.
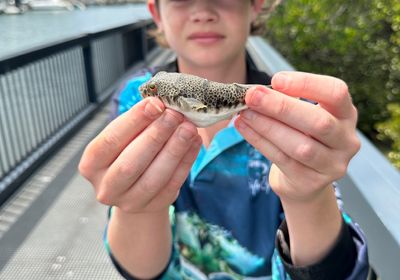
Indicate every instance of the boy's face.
{"type": "Point", "coordinates": [205, 32]}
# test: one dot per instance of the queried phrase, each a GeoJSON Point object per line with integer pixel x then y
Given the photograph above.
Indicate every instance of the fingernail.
{"type": "Point", "coordinates": [281, 81]}
{"type": "Point", "coordinates": [185, 134]}
{"type": "Point", "coordinates": [248, 115]}
{"type": "Point", "coordinates": [152, 109]}
{"type": "Point", "coordinates": [241, 125]}
{"type": "Point", "coordinates": [256, 97]}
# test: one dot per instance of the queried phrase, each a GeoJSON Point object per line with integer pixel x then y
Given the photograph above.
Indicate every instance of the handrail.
{"type": "Point", "coordinates": [48, 91]}
{"type": "Point", "coordinates": [370, 190]}
{"type": "Point", "coordinates": [16, 59]}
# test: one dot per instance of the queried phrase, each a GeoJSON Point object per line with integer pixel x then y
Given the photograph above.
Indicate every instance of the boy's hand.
{"type": "Point", "coordinates": [141, 159]}
{"type": "Point", "coordinates": [310, 145]}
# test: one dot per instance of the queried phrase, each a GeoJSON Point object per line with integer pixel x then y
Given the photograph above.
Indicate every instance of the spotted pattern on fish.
{"type": "Point", "coordinates": [202, 101]}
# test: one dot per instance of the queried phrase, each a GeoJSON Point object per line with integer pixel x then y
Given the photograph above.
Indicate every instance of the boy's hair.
{"type": "Point", "coordinates": [257, 27]}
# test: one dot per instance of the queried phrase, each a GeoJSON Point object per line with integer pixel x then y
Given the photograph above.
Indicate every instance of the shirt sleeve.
{"type": "Point", "coordinates": [348, 259]}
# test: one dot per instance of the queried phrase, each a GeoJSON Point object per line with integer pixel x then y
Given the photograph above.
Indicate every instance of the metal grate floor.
{"type": "Point", "coordinates": [66, 241]}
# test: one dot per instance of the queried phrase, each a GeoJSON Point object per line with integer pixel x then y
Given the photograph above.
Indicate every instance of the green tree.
{"type": "Point", "coordinates": [357, 41]}
{"type": "Point", "coordinates": [390, 129]}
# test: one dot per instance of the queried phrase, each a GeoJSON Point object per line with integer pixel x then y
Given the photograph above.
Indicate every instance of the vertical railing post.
{"type": "Point", "coordinates": [134, 46]}
{"type": "Point", "coordinates": [143, 30]}
{"type": "Point", "coordinates": [88, 59]}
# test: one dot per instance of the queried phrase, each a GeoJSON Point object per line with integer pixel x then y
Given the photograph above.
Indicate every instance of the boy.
{"type": "Point", "coordinates": [229, 183]}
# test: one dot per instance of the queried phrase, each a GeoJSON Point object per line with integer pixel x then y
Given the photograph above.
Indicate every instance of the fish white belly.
{"type": "Point", "coordinates": [202, 119]}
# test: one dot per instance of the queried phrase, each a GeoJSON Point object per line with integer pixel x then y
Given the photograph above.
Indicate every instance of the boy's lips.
{"type": "Point", "coordinates": [206, 37]}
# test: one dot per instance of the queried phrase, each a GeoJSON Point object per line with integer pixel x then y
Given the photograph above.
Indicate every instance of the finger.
{"type": "Point", "coordinates": [302, 174]}
{"type": "Point", "coordinates": [106, 147]}
{"type": "Point", "coordinates": [170, 192]}
{"type": "Point", "coordinates": [138, 155]}
{"type": "Point", "coordinates": [161, 170]}
{"type": "Point", "coordinates": [264, 146]}
{"type": "Point", "coordinates": [303, 116]}
{"type": "Point", "coordinates": [331, 93]}
{"type": "Point", "coordinates": [295, 144]}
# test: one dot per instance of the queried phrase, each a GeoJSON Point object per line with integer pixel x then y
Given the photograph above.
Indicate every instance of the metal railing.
{"type": "Point", "coordinates": [47, 92]}
{"type": "Point", "coordinates": [370, 190]}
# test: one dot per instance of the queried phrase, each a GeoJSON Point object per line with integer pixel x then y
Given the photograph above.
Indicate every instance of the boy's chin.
{"type": "Point", "coordinates": [210, 58]}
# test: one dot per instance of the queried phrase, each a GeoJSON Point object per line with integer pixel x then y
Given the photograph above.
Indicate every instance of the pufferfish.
{"type": "Point", "coordinates": [201, 101]}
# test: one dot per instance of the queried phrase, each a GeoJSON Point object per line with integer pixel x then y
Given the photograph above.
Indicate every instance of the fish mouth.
{"type": "Point", "coordinates": [143, 91]}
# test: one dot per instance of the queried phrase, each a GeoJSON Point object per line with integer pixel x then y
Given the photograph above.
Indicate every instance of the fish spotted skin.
{"type": "Point", "coordinates": [203, 102]}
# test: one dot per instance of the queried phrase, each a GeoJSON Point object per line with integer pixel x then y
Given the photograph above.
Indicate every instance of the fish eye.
{"type": "Point", "coordinates": [152, 86]}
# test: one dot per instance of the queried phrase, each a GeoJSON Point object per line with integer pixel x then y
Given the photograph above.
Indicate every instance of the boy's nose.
{"type": "Point", "coordinates": [203, 12]}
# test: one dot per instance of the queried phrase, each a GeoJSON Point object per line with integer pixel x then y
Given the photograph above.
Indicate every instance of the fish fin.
{"type": "Point", "coordinates": [242, 86]}
{"type": "Point", "coordinates": [247, 86]}
{"type": "Point", "coordinates": [191, 103]}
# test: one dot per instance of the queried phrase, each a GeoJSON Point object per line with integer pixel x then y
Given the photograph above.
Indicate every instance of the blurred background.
{"type": "Point", "coordinates": [358, 41]}
{"type": "Point", "coordinates": [61, 60]}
